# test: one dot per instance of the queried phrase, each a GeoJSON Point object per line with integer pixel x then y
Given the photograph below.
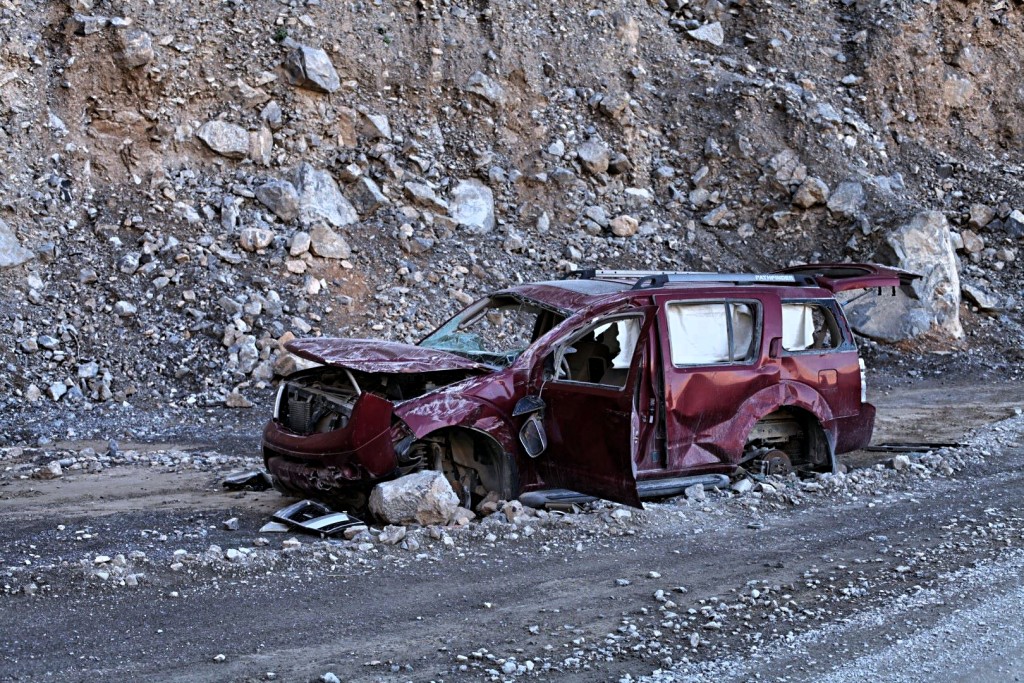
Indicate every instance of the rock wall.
{"type": "Point", "coordinates": [197, 183]}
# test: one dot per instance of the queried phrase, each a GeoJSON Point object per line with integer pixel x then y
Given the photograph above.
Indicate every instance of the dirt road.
{"type": "Point", "coordinates": [907, 575]}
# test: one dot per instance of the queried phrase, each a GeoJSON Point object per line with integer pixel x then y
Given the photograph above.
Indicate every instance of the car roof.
{"type": "Point", "coordinates": [575, 295]}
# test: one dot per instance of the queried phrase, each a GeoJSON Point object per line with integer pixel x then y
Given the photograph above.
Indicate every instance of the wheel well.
{"type": "Point", "coordinates": [795, 432]}
{"type": "Point", "coordinates": [473, 462]}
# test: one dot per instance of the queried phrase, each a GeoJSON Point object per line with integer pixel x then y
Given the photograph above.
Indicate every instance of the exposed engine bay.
{"type": "Point", "coordinates": [322, 399]}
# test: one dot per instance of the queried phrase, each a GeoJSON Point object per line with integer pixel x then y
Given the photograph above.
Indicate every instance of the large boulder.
{"type": "Point", "coordinates": [311, 68]}
{"type": "Point", "coordinates": [848, 199]}
{"type": "Point", "coordinates": [281, 197]}
{"type": "Point", "coordinates": [320, 199]}
{"type": "Point", "coordinates": [420, 498]}
{"type": "Point", "coordinates": [11, 251]}
{"type": "Point", "coordinates": [923, 246]}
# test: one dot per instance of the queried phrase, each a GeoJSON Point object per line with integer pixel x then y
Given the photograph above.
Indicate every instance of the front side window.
{"type": "Point", "coordinates": [602, 354]}
{"type": "Point", "coordinates": [808, 326]}
{"type": "Point", "coordinates": [708, 333]}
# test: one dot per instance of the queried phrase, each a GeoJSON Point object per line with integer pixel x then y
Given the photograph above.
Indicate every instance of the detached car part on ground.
{"type": "Point", "coordinates": [617, 384]}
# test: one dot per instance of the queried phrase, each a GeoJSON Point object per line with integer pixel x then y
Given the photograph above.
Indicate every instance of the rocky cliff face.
{"type": "Point", "coordinates": [187, 184]}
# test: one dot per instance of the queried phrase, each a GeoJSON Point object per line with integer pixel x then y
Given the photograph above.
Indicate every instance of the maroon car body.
{"type": "Point", "coordinates": [611, 384]}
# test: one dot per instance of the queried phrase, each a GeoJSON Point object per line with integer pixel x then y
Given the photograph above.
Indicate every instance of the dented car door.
{"type": "Point", "coordinates": [591, 416]}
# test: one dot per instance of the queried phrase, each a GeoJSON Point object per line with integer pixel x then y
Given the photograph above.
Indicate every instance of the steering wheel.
{"type": "Point", "coordinates": [564, 371]}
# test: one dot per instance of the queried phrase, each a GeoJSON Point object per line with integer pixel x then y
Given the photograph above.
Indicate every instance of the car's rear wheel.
{"type": "Point", "coordinates": [788, 440]}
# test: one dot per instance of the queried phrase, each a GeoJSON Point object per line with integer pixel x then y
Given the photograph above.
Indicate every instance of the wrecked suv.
{"type": "Point", "coordinates": [618, 384]}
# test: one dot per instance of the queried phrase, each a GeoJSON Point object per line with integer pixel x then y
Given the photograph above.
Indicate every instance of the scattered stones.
{"type": "Point", "coordinates": [136, 48]}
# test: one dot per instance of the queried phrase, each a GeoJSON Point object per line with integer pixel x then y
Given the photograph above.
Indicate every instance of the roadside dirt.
{"type": "Point", "coordinates": [575, 596]}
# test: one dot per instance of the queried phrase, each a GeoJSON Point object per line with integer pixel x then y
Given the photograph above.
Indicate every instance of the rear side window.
{"type": "Point", "coordinates": [706, 333]}
{"type": "Point", "coordinates": [809, 326]}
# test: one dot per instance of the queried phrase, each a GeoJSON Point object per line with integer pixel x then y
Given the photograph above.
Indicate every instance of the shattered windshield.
{"type": "Point", "coordinates": [494, 330]}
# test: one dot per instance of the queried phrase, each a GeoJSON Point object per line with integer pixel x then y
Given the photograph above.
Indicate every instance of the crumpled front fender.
{"type": "Point", "coordinates": [449, 410]}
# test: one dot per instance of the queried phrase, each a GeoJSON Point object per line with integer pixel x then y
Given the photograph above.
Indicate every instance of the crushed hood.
{"type": "Point", "coordinates": [375, 355]}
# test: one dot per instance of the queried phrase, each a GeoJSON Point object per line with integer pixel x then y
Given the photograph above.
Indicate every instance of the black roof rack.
{"type": "Point", "coordinates": [650, 279]}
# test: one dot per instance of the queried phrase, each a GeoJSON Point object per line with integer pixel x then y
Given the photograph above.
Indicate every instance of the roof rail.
{"type": "Point", "coordinates": [649, 279]}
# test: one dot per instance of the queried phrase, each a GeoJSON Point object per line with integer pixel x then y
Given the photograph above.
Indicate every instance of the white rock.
{"type": "Point", "coordinates": [11, 251]}
{"type": "Point", "coordinates": [923, 246]}
{"type": "Point", "coordinates": [709, 33]}
{"type": "Point", "coordinates": [422, 498]}
{"type": "Point", "coordinates": [254, 239]}
{"type": "Point", "coordinates": [486, 87]}
{"type": "Point", "coordinates": [472, 206]}
{"type": "Point", "coordinates": [225, 139]}
{"type": "Point", "coordinates": [320, 199]}
{"type": "Point", "coordinates": [392, 534]}
{"type": "Point", "coordinates": [326, 243]}
{"type": "Point", "coordinates": [310, 67]}
{"type": "Point", "coordinates": [624, 226]}
{"type": "Point", "coordinates": [281, 197]}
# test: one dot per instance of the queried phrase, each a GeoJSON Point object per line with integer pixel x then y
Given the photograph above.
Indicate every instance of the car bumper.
{"type": "Point", "coordinates": [355, 456]}
{"type": "Point", "coordinates": [855, 431]}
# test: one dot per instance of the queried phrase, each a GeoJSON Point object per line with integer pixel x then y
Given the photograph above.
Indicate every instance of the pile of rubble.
{"type": "Point", "coordinates": [198, 186]}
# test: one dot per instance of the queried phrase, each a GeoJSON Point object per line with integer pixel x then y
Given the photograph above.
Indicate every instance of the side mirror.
{"type": "Point", "coordinates": [532, 434]}
{"type": "Point", "coordinates": [527, 405]}
{"type": "Point", "coordinates": [533, 437]}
